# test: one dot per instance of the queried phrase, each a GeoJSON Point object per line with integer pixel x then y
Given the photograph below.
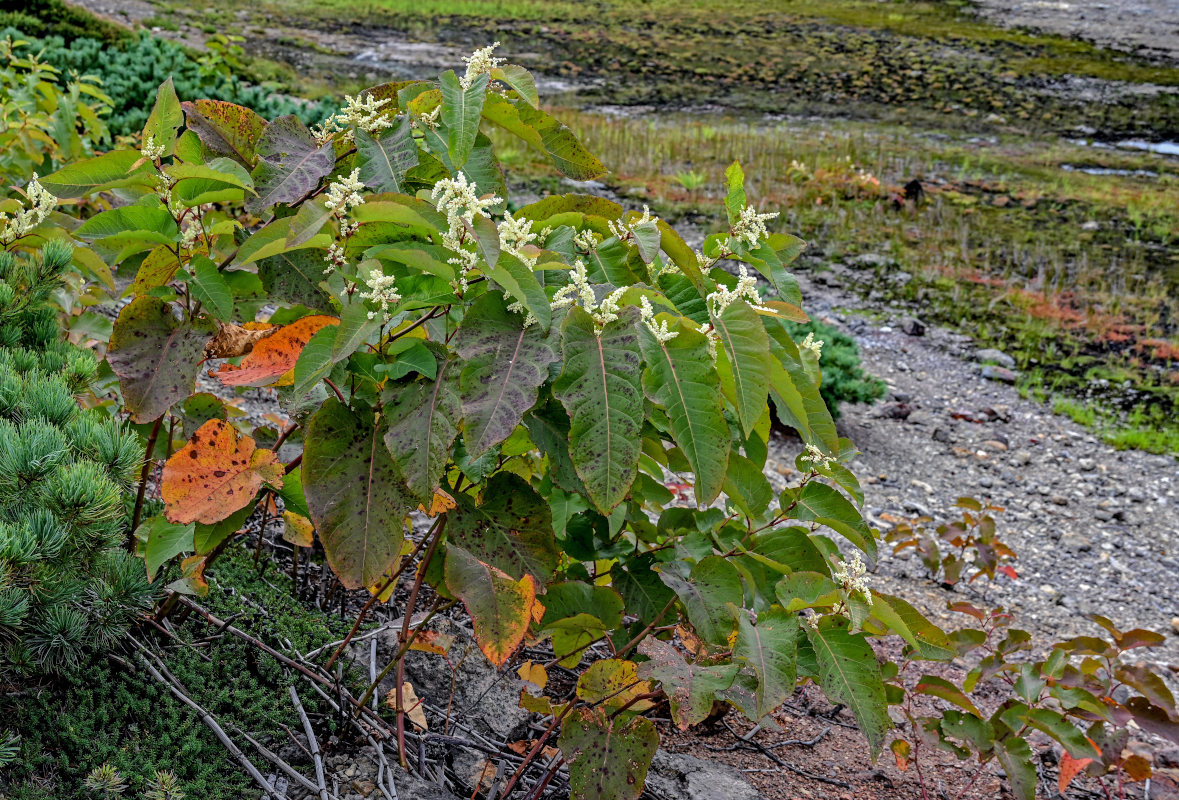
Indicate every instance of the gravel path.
{"type": "Point", "coordinates": [1096, 530]}
{"type": "Point", "coordinates": [1145, 27]}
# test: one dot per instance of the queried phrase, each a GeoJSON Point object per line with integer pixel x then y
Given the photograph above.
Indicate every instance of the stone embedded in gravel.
{"type": "Point", "coordinates": [992, 356]}
{"type": "Point", "coordinates": [913, 326]}
{"type": "Point", "coordinates": [683, 777]}
{"type": "Point", "coordinates": [993, 373]}
{"type": "Point", "coordinates": [1075, 543]}
{"type": "Point", "coordinates": [1175, 625]}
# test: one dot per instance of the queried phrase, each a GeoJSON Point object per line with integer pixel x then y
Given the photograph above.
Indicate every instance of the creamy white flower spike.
{"type": "Point", "coordinates": [750, 227]}
{"type": "Point", "coordinates": [457, 199]}
{"type": "Point", "coordinates": [626, 230]}
{"type": "Point", "coordinates": [660, 332]}
{"type": "Point", "coordinates": [335, 258]}
{"type": "Point", "coordinates": [812, 344]}
{"type": "Point", "coordinates": [817, 456]}
{"type": "Point", "coordinates": [41, 204]}
{"type": "Point", "coordinates": [152, 151]}
{"type": "Point", "coordinates": [190, 234]}
{"type": "Point", "coordinates": [851, 577]}
{"type": "Point", "coordinates": [514, 236]}
{"type": "Point", "coordinates": [344, 194]}
{"type": "Point", "coordinates": [365, 113]}
{"type": "Point", "coordinates": [746, 289]}
{"type": "Point", "coordinates": [710, 334]}
{"type": "Point", "coordinates": [579, 290]}
{"type": "Point", "coordinates": [586, 240]}
{"type": "Point", "coordinates": [381, 290]}
{"type": "Point", "coordinates": [478, 63]}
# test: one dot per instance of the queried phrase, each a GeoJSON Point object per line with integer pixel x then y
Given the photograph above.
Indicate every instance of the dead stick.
{"type": "Point", "coordinates": [312, 742]}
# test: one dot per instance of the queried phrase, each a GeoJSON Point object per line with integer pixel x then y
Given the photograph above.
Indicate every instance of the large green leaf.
{"type": "Point", "coordinates": [140, 223]}
{"type": "Point", "coordinates": [512, 530]}
{"type": "Point", "coordinates": [608, 758]}
{"type": "Point", "coordinates": [796, 395]}
{"type": "Point", "coordinates": [505, 364]}
{"type": "Point", "coordinates": [548, 426]}
{"type": "Point", "coordinates": [386, 157]}
{"type": "Point", "coordinates": [500, 607]}
{"type": "Point", "coordinates": [165, 118]}
{"type": "Point", "coordinates": [522, 284]}
{"type": "Point", "coordinates": [745, 361]}
{"type": "Point", "coordinates": [640, 586]}
{"type": "Point", "coordinates": [849, 674]}
{"type": "Point", "coordinates": [221, 180]}
{"type": "Point", "coordinates": [547, 135]}
{"type": "Point", "coordinates": [519, 79]}
{"type": "Point", "coordinates": [691, 689]}
{"type": "Point", "coordinates": [156, 355]}
{"type": "Point", "coordinates": [107, 171]}
{"type": "Point", "coordinates": [161, 540]}
{"type": "Point", "coordinates": [208, 285]}
{"type": "Point", "coordinates": [290, 164]}
{"type": "Point", "coordinates": [680, 379]}
{"type": "Point", "coordinates": [461, 112]}
{"type": "Point", "coordinates": [599, 387]}
{"type": "Point", "coordinates": [1018, 763]}
{"type": "Point", "coordinates": [355, 493]}
{"type": "Point", "coordinates": [770, 649]}
{"type": "Point", "coordinates": [927, 639]}
{"type": "Point", "coordinates": [714, 583]}
{"type": "Point", "coordinates": [819, 503]}
{"type": "Point", "coordinates": [294, 277]}
{"type": "Point", "coordinates": [423, 420]}
{"type": "Point", "coordinates": [225, 129]}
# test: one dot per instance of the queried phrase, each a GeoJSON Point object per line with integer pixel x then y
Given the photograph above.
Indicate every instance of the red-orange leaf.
{"type": "Point", "coordinates": [1069, 768]}
{"type": "Point", "coordinates": [215, 474]}
{"type": "Point", "coordinates": [274, 356]}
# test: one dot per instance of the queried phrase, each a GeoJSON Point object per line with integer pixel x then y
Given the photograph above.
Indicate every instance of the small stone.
{"type": "Point", "coordinates": [1060, 500]}
{"type": "Point", "coordinates": [1175, 625]}
{"type": "Point", "coordinates": [993, 356]}
{"type": "Point", "coordinates": [1168, 758]}
{"type": "Point", "coordinates": [1021, 458]}
{"type": "Point", "coordinates": [1075, 543]}
{"type": "Point", "coordinates": [1087, 464]}
{"type": "Point", "coordinates": [941, 435]}
{"type": "Point", "coordinates": [996, 445]}
{"type": "Point", "coordinates": [993, 373]}
{"type": "Point", "coordinates": [1048, 589]}
{"type": "Point", "coordinates": [913, 326]}
{"type": "Point", "coordinates": [925, 487]}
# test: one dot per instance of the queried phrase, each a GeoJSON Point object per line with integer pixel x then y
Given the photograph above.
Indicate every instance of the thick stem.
{"type": "Point", "coordinates": [544, 737]}
{"type": "Point", "coordinates": [144, 474]}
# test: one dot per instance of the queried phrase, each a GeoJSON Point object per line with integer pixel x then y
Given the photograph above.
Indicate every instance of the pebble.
{"type": "Point", "coordinates": [1175, 625]}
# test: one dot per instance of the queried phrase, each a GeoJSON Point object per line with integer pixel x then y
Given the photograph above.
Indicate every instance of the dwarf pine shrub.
{"type": "Point", "coordinates": [844, 379]}
{"type": "Point", "coordinates": [65, 586]}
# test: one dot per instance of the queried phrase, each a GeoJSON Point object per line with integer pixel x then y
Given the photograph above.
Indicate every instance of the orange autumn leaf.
{"type": "Point", "coordinates": [438, 504]}
{"type": "Point", "coordinates": [1137, 768]}
{"type": "Point", "coordinates": [274, 356]}
{"type": "Point", "coordinates": [215, 474]}
{"type": "Point", "coordinates": [1069, 768]}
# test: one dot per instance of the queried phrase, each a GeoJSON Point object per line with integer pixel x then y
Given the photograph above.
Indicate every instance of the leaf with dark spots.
{"type": "Point", "coordinates": [217, 473]}
{"type": "Point", "coordinates": [424, 418]}
{"type": "Point", "coordinates": [386, 156]}
{"type": "Point", "coordinates": [274, 356]}
{"type": "Point", "coordinates": [225, 129]}
{"type": "Point", "coordinates": [355, 492]}
{"type": "Point", "coordinates": [294, 277]}
{"type": "Point", "coordinates": [608, 758]}
{"type": "Point", "coordinates": [691, 688]}
{"type": "Point", "coordinates": [156, 356]}
{"type": "Point", "coordinates": [500, 608]}
{"type": "Point", "coordinates": [505, 365]}
{"type": "Point", "coordinates": [290, 164]}
{"type": "Point", "coordinates": [512, 530]}
{"type": "Point", "coordinates": [599, 387]}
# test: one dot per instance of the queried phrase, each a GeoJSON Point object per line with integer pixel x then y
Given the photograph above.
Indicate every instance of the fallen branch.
{"type": "Point", "coordinates": [312, 742]}
{"type": "Point", "coordinates": [796, 770]}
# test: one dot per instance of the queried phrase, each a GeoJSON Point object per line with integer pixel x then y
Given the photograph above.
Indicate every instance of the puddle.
{"type": "Point", "coordinates": [1163, 148]}
{"type": "Point", "coordinates": [1138, 173]}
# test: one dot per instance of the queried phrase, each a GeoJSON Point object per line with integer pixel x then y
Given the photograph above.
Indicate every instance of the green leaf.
{"type": "Point", "coordinates": [519, 79]}
{"type": "Point", "coordinates": [461, 112]}
{"type": "Point", "coordinates": [645, 594]}
{"type": "Point", "coordinates": [680, 379]}
{"type": "Point", "coordinates": [107, 171]}
{"type": "Point", "coordinates": [803, 589]}
{"type": "Point", "coordinates": [849, 674]}
{"type": "Point", "coordinates": [512, 530]}
{"type": "Point", "coordinates": [355, 493]}
{"type": "Point", "coordinates": [796, 395]}
{"type": "Point", "coordinates": [819, 503]}
{"type": "Point", "coordinates": [505, 364]}
{"type": "Point", "coordinates": [165, 118]}
{"type": "Point", "coordinates": [138, 223]}
{"type": "Point", "coordinates": [608, 758]}
{"type": "Point", "coordinates": [735, 198]}
{"type": "Point", "coordinates": [747, 487]}
{"type": "Point", "coordinates": [290, 164]}
{"type": "Point", "coordinates": [547, 135]}
{"type": "Point", "coordinates": [156, 356]}
{"type": "Point", "coordinates": [1016, 758]}
{"type": "Point", "coordinates": [162, 541]}
{"type": "Point", "coordinates": [225, 129]}
{"type": "Point", "coordinates": [221, 180]}
{"type": "Point", "coordinates": [208, 285]}
{"type": "Point", "coordinates": [691, 689]}
{"type": "Point", "coordinates": [714, 584]}
{"type": "Point", "coordinates": [500, 607]}
{"type": "Point", "coordinates": [315, 361]}
{"type": "Point", "coordinates": [521, 283]}
{"type": "Point", "coordinates": [569, 598]}
{"type": "Point", "coordinates": [294, 277]}
{"type": "Point", "coordinates": [770, 649]}
{"type": "Point", "coordinates": [745, 371]}
{"type": "Point", "coordinates": [548, 425]}
{"type": "Point", "coordinates": [927, 639]}
{"type": "Point", "coordinates": [599, 387]}
{"type": "Point", "coordinates": [1055, 725]}
{"type": "Point", "coordinates": [384, 159]}
{"type": "Point", "coordinates": [423, 420]}
{"type": "Point", "coordinates": [207, 537]}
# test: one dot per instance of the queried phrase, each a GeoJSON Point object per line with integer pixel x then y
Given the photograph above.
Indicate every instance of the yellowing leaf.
{"type": "Point", "coordinates": [215, 474]}
{"type": "Point", "coordinates": [297, 529]}
{"type": "Point", "coordinates": [441, 503]}
{"type": "Point", "coordinates": [273, 357]}
{"type": "Point", "coordinates": [534, 674]}
{"type": "Point", "coordinates": [432, 642]}
{"type": "Point", "coordinates": [500, 607]}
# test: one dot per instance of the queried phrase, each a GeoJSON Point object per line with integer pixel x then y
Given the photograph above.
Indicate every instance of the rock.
{"type": "Point", "coordinates": [1175, 625]}
{"type": "Point", "coordinates": [993, 373]}
{"type": "Point", "coordinates": [869, 261]}
{"type": "Point", "coordinates": [687, 778]}
{"type": "Point", "coordinates": [1168, 757]}
{"type": "Point", "coordinates": [913, 326]}
{"type": "Point", "coordinates": [1060, 500]}
{"type": "Point", "coordinates": [993, 356]}
{"type": "Point", "coordinates": [996, 445]}
{"type": "Point", "coordinates": [1075, 542]}
{"type": "Point", "coordinates": [1087, 464]}
{"type": "Point", "coordinates": [941, 435]}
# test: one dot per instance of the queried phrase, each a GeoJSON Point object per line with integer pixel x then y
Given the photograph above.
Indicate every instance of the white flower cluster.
{"type": "Point", "coordinates": [812, 344]}
{"type": "Point", "coordinates": [514, 236]}
{"type": "Point", "coordinates": [585, 240]}
{"type": "Point", "coordinates": [710, 334]}
{"type": "Point", "coordinates": [381, 290]}
{"type": "Point", "coordinates": [366, 114]}
{"type": "Point", "coordinates": [851, 577]}
{"type": "Point", "coordinates": [41, 205]}
{"type": "Point", "coordinates": [478, 63]}
{"type": "Point", "coordinates": [457, 199]}
{"type": "Point", "coordinates": [751, 226]}
{"type": "Point", "coordinates": [579, 289]}
{"type": "Point", "coordinates": [817, 457]}
{"type": "Point", "coordinates": [625, 231]}
{"type": "Point", "coordinates": [343, 196]}
{"type": "Point", "coordinates": [723, 297]}
{"type": "Point", "coordinates": [191, 232]}
{"type": "Point", "coordinates": [150, 150]}
{"type": "Point", "coordinates": [660, 332]}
